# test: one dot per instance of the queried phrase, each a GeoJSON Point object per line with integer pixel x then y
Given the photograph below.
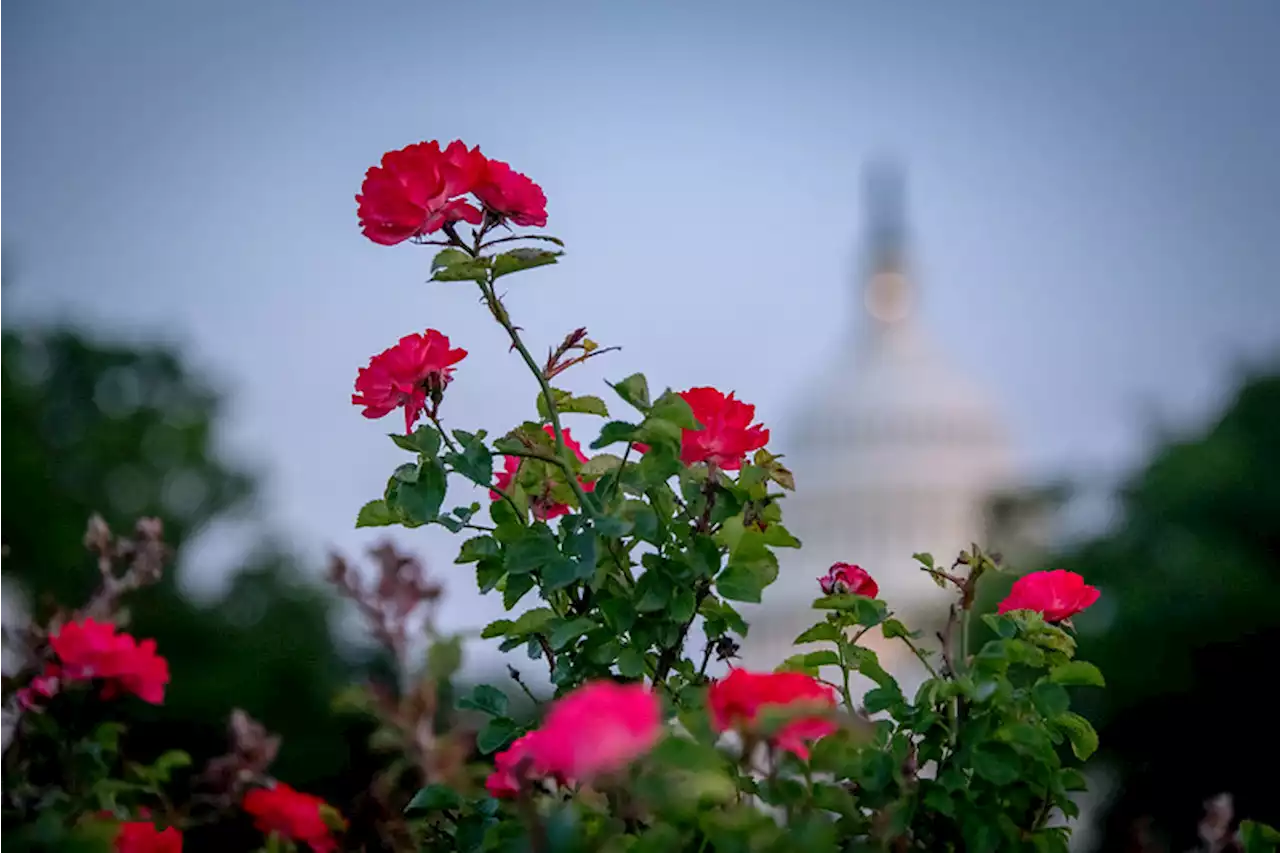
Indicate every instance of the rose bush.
{"type": "Point", "coordinates": [622, 571]}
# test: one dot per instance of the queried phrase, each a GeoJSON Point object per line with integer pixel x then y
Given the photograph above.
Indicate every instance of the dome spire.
{"type": "Point", "coordinates": [887, 293]}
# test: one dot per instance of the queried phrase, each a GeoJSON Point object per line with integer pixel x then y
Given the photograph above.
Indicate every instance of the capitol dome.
{"type": "Point", "coordinates": [895, 451]}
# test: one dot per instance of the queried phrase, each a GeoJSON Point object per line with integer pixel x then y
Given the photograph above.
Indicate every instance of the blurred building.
{"type": "Point", "coordinates": [895, 451]}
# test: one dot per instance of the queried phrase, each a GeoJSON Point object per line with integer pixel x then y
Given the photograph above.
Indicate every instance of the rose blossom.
{"type": "Point", "coordinates": [416, 190]}
{"type": "Point", "coordinates": [512, 765]}
{"type": "Point", "coordinates": [291, 814]}
{"type": "Point", "coordinates": [512, 195]}
{"type": "Point", "coordinates": [847, 579]}
{"type": "Point", "coordinates": [89, 649]}
{"type": "Point", "coordinates": [418, 367]}
{"type": "Point", "coordinates": [543, 506]}
{"type": "Point", "coordinates": [598, 729]}
{"type": "Point", "coordinates": [726, 435]}
{"type": "Point", "coordinates": [1056, 594]}
{"type": "Point", "coordinates": [143, 837]}
{"type": "Point", "coordinates": [40, 688]}
{"type": "Point", "coordinates": [737, 700]}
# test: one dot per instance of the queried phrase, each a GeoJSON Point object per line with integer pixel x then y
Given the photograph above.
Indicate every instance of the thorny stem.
{"type": "Point", "coordinates": [521, 237]}
{"type": "Point", "coordinates": [448, 442]}
{"type": "Point", "coordinates": [500, 314]}
{"type": "Point", "coordinates": [518, 679]}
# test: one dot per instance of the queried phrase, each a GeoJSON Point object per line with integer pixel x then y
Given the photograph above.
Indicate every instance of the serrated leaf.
{"type": "Point", "coordinates": [894, 628]}
{"type": "Point", "coordinates": [375, 514]}
{"type": "Point", "coordinates": [497, 733]}
{"type": "Point", "coordinates": [997, 763]}
{"type": "Point", "coordinates": [568, 403]}
{"type": "Point", "coordinates": [601, 464]}
{"type": "Point", "coordinates": [433, 798]}
{"type": "Point", "coordinates": [420, 500]}
{"type": "Point", "coordinates": [1077, 673]}
{"type": "Point", "coordinates": [485, 699]}
{"type": "Point", "coordinates": [1050, 699]}
{"type": "Point", "coordinates": [532, 622]}
{"type": "Point", "coordinates": [746, 581]}
{"type": "Point", "coordinates": [630, 663]}
{"type": "Point", "coordinates": [821, 631]}
{"type": "Point", "coordinates": [614, 432]}
{"type": "Point", "coordinates": [476, 549]}
{"type": "Point", "coordinates": [448, 257]}
{"type": "Point", "coordinates": [1084, 740]}
{"type": "Point", "coordinates": [516, 260]}
{"type": "Point", "coordinates": [498, 628]}
{"type": "Point", "coordinates": [634, 390]}
{"type": "Point", "coordinates": [566, 632]}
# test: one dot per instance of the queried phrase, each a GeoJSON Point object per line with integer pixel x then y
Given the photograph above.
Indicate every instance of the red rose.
{"type": "Point", "coordinates": [512, 195]}
{"type": "Point", "coordinates": [292, 815]}
{"type": "Point", "coordinates": [89, 649]}
{"type": "Point", "coordinates": [598, 729]}
{"type": "Point", "coordinates": [512, 765]}
{"type": "Point", "coordinates": [737, 700]}
{"type": "Point", "coordinates": [544, 507]}
{"type": "Point", "coordinates": [1057, 595]}
{"type": "Point", "coordinates": [40, 688]}
{"type": "Point", "coordinates": [143, 837]}
{"type": "Point", "coordinates": [726, 435]}
{"type": "Point", "coordinates": [418, 367]}
{"type": "Point", "coordinates": [416, 190]}
{"type": "Point", "coordinates": [846, 579]}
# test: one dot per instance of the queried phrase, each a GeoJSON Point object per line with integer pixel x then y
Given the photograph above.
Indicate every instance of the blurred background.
{"type": "Point", "coordinates": [1005, 274]}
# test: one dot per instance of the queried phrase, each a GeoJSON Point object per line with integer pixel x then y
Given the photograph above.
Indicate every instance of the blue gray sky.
{"type": "Point", "coordinates": [1095, 202]}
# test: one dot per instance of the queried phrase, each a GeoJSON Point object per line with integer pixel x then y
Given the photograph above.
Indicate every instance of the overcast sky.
{"type": "Point", "coordinates": [1094, 189]}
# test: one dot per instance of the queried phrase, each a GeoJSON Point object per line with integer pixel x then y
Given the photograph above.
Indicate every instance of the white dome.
{"type": "Point", "coordinates": [894, 452]}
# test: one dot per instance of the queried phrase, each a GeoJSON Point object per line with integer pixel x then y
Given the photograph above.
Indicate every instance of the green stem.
{"type": "Point", "coordinates": [500, 314]}
{"type": "Point", "coordinates": [448, 442]}
{"type": "Point", "coordinates": [844, 673]}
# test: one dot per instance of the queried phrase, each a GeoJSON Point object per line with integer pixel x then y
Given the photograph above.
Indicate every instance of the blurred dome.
{"type": "Point", "coordinates": [894, 449]}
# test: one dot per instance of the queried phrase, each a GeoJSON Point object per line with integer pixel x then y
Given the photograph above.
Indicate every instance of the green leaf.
{"type": "Point", "coordinates": [516, 588]}
{"type": "Point", "coordinates": [867, 611]}
{"type": "Point", "coordinates": [566, 402]}
{"type": "Point", "coordinates": [1258, 837]}
{"type": "Point", "coordinates": [601, 464]}
{"type": "Point", "coordinates": [614, 432]}
{"type": "Point", "coordinates": [476, 549]}
{"type": "Point", "coordinates": [997, 763]}
{"type": "Point", "coordinates": [671, 407]}
{"type": "Point", "coordinates": [448, 257]}
{"type": "Point", "coordinates": [566, 632]}
{"type": "Point", "coordinates": [433, 798]}
{"type": "Point", "coordinates": [420, 500]}
{"type": "Point", "coordinates": [497, 733]}
{"type": "Point", "coordinates": [562, 572]}
{"type": "Point", "coordinates": [821, 631]}
{"type": "Point", "coordinates": [630, 663]}
{"type": "Point", "coordinates": [893, 628]}
{"type": "Point", "coordinates": [497, 628]}
{"type": "Point", "coordinates": [634, 390]}
{"type": "Point", "coordinates": [1077, 673]}
{"type": "Point", "coordinates": [522, 259]}
{"type": "Point", "coordinates": [746, 581]}
{"type": "Point", "coordinates": [532, 622]}
{"type": "Point", "coordinates": [489, 572]}
{"type": "Point", "coordinates": [536, 549]}
{"type": "Point", "coordinates": [375, 514]}
{"type": "Point", "coordinates": [1050, 699]}
{"type": "Point", "coordinates": [485, 699]}
{"type": "Point", "coordinates": [618, 613]}
{"type": "Point", "coordinates": [1084, 740]}
{"type": "Point", "coordinates": [473, 460]}
{"type": "Point", "coordinates": [444, 658]}
{"type": "Point", "coordinates": [1002, 626]}
{"type": "Point", "coordinates": [885, 697]}
{"type": "Point", "coordinates": [653, 592]}
{"type": "Point", "coordinates": [424, 440]}
{"type": "Point", "coordinates": [458, 266]}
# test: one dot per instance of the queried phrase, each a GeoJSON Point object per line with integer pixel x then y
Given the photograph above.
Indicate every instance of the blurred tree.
{"type": "Point", "coordinates": [129, 431]}
{"type": "Point", "coordinates": [1187, 627]}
